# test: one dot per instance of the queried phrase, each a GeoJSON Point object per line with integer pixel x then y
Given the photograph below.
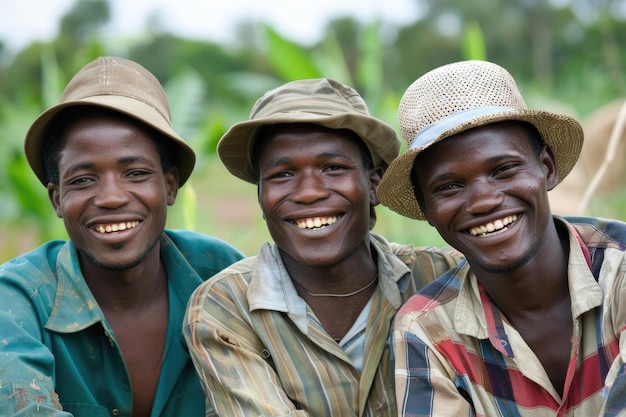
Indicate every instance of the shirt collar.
{"type": "Point", "coordinates": [470, 313]}
{"type": "Point", "coordinates": [271, 287]}
{"type": "Point", "coordinates": [75, 307]}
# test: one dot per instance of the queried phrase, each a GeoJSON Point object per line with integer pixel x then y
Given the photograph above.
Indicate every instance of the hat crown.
{"type": "Point", "coordinates": [119, 85]}
{"type": "Point", "coordinates": [324, 96]}
{"type": "Point", "coordinates": [452, 88]}
{"type": "Point", "coordinates": [118, 77]}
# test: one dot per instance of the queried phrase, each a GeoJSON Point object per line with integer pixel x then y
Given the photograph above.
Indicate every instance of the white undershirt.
{"type": "Point", "coordinates": [353, 343]}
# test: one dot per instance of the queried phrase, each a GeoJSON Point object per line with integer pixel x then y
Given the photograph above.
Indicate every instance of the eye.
{"type": "Point", "coordinates": [335, 167]}
{"type": "Point", "coordinates": [79, 181]}
{"type": "Point", "coordinates": [282, 174]}
{"type": "Point", "coordinates": [505, 169]}
{"type": "Point", "coordinates": [137, 173]}
{"type": "Point", "coordinates": [277, 175]}
{"type": "Point", "coordinates": [447, 187]}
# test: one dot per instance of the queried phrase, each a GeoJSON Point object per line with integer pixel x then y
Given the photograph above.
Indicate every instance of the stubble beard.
{"type": "Point", "coordinates": [124, 267]}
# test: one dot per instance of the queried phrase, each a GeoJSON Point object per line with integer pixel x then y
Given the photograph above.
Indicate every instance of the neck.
{"type": "Point", "coordinates": [340, 279]}
{"type": "Point", "coordinates": [127, 289]}
{"type": "Point", "coordinates": [535, 286]}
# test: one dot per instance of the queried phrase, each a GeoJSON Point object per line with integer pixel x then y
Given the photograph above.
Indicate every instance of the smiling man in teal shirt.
{"type": "Point", "coordinates": [93, 326]}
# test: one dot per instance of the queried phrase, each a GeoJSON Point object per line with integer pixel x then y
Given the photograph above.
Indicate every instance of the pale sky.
{"type": "Point", "coordinates": [23, 21]}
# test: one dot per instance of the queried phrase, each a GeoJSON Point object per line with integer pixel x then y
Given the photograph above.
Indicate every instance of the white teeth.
{"type": "Point", "coordinates": [316, 223]}
{"type": "Point", "coordinates": [115, 227]}
{"type": "Point", "coordinates": [496, 226]}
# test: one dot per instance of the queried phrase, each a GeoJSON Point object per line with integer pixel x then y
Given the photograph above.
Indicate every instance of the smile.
{"type": "Point", "coordinates": [493, 228]}
{"type": "Point", "coordinates": [315, 223]}
{"type": "Point", "coordinates": [115, 227]}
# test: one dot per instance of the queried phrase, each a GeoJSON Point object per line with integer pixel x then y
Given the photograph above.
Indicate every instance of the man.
{"type": "Point", "coordinates": [92, 326]}
{"type": "Point", "coordinates": [530, 324]}
{"type": "Point", "coordinates": [302, 328]}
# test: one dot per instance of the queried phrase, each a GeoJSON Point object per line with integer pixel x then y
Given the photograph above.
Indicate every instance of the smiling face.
{"type": "Point", "coordinates": [112, 193]}
{"type": "Point", "coordinates": [485, 190]}
{"type": "Point", "coordinates": [316, 193]}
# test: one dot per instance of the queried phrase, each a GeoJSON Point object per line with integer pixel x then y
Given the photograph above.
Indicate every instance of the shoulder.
{"type": "Point", "coordinates": [426, 263]}
{"type": "Point", "coordinates": [187, 240]}
{"type": "Point", "coordinates": [203, 251]}
{"type": "Point", "coordinates": [41, 261]}
{"type": "Point", "coordinates": [34, 275]}
{"type": "Point", "coordinates": [441, 293]}
{"type": "Point", "coordinates": [226, 291]}
{"type": "Point", "coordinates": [411, 254]}
{"type": "Point", "coordinates": [597, 232]}
{"type": "Point", "coordinates": [233, 278]}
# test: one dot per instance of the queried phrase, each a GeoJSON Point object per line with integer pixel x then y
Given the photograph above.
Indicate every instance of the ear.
{"type": "Point", "coordinates": [375, 176]}
{"type": "Point", "coordinates": [53, 195]}
{"type": "Point", "coordinates": [417, 192]}
{"type": "Point", "coordinates": [171, 185]}
{"type": "Point", "coordinates": [549, 164]}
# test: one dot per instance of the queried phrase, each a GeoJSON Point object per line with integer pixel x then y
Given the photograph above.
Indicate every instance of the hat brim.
{"type": "Point", "coordinates": [236, 146]}
{"type": "Point", "coordinates": [563, 135]}
{"type": "Point", "coordinates": [184, 158]}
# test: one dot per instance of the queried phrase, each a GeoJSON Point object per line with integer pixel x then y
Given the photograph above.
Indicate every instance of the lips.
{"type": "Point", "coordinates": [493, 228]}
{"type": "Point", "coordinates": [315, 223]}
{"type": "Point", "coordinates": [115, 227]}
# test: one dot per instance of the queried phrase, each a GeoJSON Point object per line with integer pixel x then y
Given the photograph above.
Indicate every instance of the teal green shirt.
{"type": "Point", "coordinates": [57, 351]}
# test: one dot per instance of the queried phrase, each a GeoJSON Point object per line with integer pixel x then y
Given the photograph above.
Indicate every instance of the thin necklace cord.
{"type": "Point", "coordinates": [350, 294]}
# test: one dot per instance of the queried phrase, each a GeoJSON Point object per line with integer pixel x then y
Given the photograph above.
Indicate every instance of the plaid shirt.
{"type": "Point", "coordinates": [455, 354]}
{"type": "Point", "coordinates": [260, 350]}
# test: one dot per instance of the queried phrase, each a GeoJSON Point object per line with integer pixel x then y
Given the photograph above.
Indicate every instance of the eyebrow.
{"type": "Point", "coordinates": [122, 161]}
{"type": "Point", "coordinates": [323, 155]}
{"type": "Point", "coordinates": [492, 160]}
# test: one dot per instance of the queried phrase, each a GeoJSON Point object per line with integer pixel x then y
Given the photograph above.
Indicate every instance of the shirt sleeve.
{"type": "Point", "coordinates": [26, 363]}
{"type": "Point", "coordinates": [234, 367]}
{"type": "Point", "coordinates": [615, 298]}
{"type": "Point", "coordinates": [615, 403]}
{"type": "Point", "coordinates": [424, 383]}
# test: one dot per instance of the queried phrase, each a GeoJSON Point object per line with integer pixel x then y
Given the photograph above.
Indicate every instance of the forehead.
{"type": "Point", "coordinates": [93, 119]}
{"type": "Point", "coordinates": [107, 133]}
{"type": "Point", "coordinates": [492, 136]}
{"type": "Point", "coordinates": [274, 139]}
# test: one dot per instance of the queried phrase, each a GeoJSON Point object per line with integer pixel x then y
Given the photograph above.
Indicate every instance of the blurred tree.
{"type": "Point", "coordinates": [564, 54]}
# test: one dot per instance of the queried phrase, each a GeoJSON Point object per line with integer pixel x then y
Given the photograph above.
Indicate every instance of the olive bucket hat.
{"type": "Point", "coordinates": [119, 85]}
{"type": "Point", "coordinates": [457, 97]}
{"type": "Point", "coordinates": [325, 102]}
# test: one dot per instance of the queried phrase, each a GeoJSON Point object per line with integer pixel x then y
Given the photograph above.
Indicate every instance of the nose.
{"type": "Point", "coordinates": [482, 197]}
{"type": "Point", "coordinates": [111, 192]}
{"type": "Point", "coordinates": [309, 188]}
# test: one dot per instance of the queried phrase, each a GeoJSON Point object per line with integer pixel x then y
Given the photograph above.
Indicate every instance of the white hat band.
{"type": "Point", "coordinates": [432, 132]}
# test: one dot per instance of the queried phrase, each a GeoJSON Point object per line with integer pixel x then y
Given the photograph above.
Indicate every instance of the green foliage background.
{"type": "Point", "coordinates": [566, 58]}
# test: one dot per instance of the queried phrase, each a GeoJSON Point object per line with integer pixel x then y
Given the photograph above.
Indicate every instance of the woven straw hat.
{"type": "Point", "coordinates": [120, 85]}
{"type": "Point", "coordinates": [324, 102]}
{"type": "Point", "coordinates": [457, 97]}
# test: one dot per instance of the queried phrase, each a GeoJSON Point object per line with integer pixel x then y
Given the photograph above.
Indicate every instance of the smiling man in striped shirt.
{"type": "Point", "coordinates": [302, 328]}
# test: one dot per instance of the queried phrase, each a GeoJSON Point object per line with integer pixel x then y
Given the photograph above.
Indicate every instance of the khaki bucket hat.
{"type": "Point", "coordinates": [120, 85]}
{"type": "Point", "coordinates": [325, 102]}
{"type": "Point", "coordinates": [457, 97]}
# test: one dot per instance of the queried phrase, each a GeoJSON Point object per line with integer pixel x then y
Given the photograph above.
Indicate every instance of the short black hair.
{"type": "Point", "coordinates": [53, 142]}
{"type": "Point", "coordinates": [366, 156]}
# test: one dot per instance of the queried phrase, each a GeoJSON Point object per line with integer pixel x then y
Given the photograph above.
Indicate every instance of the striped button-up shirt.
{"type": "Point", "coordinates": [260, 350]}
{"type": "Point", "coordinates": [455, 354]}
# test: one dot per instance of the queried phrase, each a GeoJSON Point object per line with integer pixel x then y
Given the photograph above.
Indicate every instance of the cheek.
{"type": "Point", "coordinates": [268, 200]}
{"type": "Point", "coordinates": [68, 204]}
{"type": "Point", "coordinates": [440, 211]}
